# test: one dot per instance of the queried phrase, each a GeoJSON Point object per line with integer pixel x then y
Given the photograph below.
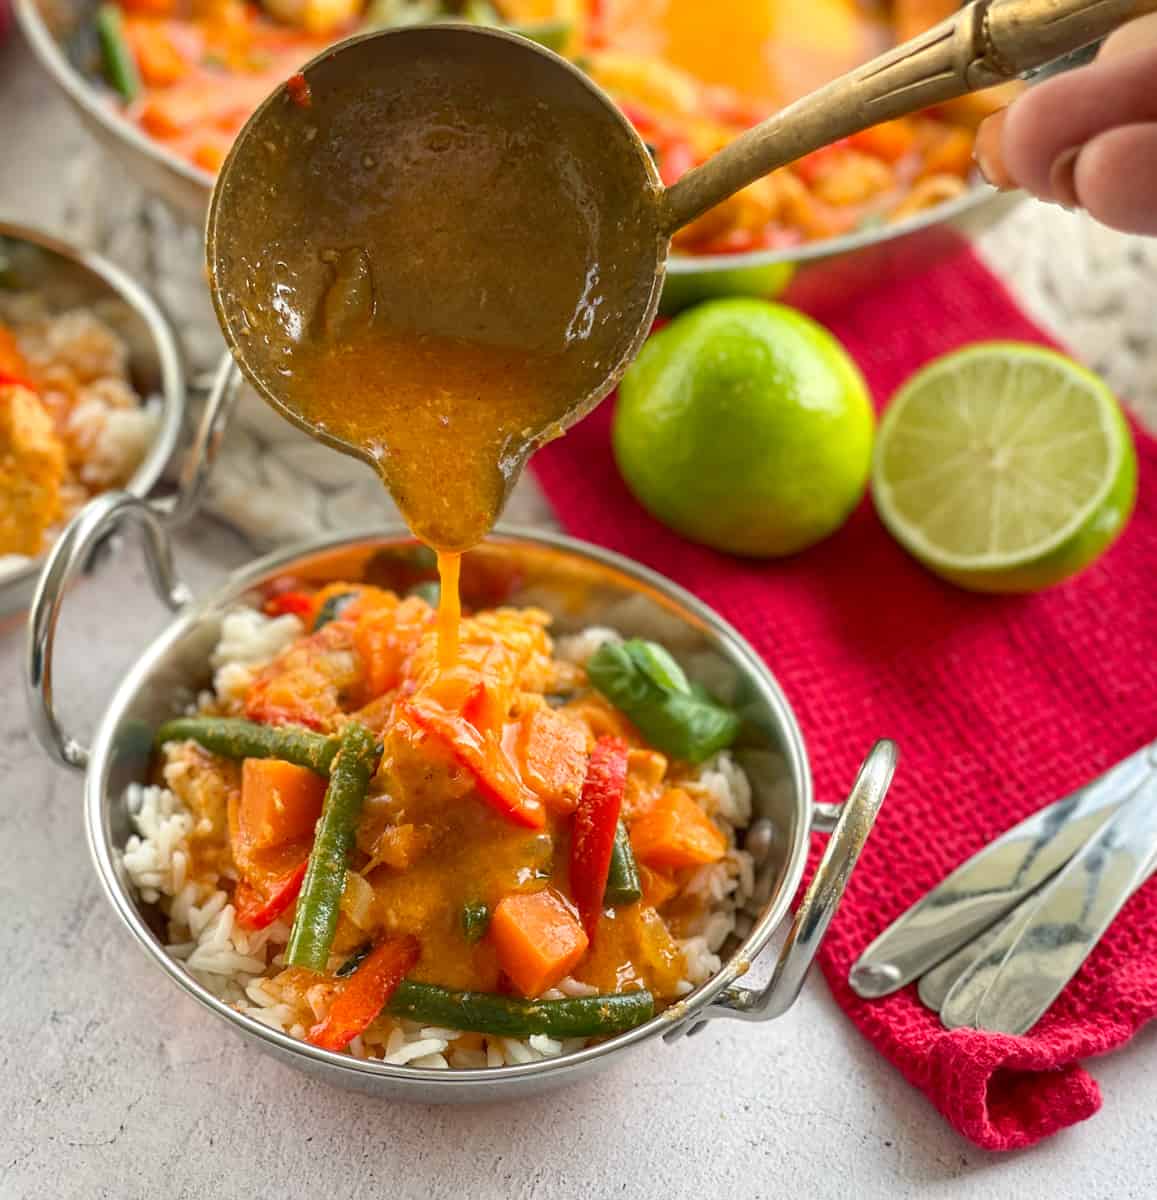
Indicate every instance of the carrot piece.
{"type": "Point", "coordinates": [539, 939]}
{"type": "Point", "coordinates": [365, 994]}
{"type": "Point", "coordinates": [658, 887]}
{"type": "Point", "coordinates": [158, 59]}
{"type": "Point", "coordinates": [676, 833]}
{"type": "Point", "coordinates": [950, 154]}
{"type": "Point", "coordinates": [179, 110]}
{"type": "Point", "coordinates": [890, 140]}
{"type": "Point", "coordinates": [280, 802]}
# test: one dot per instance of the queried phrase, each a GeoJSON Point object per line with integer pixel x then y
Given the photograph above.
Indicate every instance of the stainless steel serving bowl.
{"type": "Point", "coordinates": [580, 585]}
{"type": "Point", "coordinates": [832, 268]}
{"type": "Point", "coordinates": [67, 277]}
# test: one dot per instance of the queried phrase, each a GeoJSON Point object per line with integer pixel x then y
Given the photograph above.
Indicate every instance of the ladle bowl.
{"type": "Point", "coordinates": [550, 240]}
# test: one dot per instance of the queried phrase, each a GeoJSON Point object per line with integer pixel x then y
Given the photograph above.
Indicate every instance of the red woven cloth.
{"type": "Point", "coordinates": [999, 706]}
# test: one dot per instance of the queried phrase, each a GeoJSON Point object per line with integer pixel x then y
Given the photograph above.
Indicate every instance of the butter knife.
{"type": "Point", "coordinates": [994, 881]}
{"type": "Point", "coordinates": [1071, 917]}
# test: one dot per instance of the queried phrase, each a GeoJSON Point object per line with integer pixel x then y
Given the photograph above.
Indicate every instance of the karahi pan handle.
{"type": "Point", "coordinates": [71, 554]}
{"type": "Point", "coordinates": [822, 898]}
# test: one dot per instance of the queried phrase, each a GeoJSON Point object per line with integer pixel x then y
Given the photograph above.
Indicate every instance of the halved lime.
{"type": "Point", "coordinates": [1004, 467]}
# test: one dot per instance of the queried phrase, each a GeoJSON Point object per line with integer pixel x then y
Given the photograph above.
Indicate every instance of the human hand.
{"type": "Point", "coordinates": [1088, 138]}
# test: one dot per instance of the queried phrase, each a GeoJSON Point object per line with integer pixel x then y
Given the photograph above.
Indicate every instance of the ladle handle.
{"type": "Point", "coordinates": [984, 43]}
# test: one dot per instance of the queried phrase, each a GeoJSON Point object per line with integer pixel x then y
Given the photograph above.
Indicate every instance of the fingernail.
{"type": "Point", "coordinates": [986, 152]}
{"type": "Point", "coordinates": [1062, 179]}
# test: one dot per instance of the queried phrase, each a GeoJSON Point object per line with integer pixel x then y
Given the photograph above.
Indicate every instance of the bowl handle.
{"type": "Point", "coordinates": [206, 444]}
{"type": "Point", "coordinates": [71, 553]}
{"type": "Point", "coordinates": [856, 818]}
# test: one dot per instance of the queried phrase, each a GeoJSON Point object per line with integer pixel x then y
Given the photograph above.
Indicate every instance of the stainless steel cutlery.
{"type": "Point", "coordinates": [998, 940]}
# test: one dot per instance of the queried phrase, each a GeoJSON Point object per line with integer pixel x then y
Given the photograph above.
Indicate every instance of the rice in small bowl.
{"type": "Point", "coordinates": [92, 394]}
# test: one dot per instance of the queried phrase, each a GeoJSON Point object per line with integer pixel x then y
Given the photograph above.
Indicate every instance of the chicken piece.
{"type": "Point", "coordinates": [32, 465]}
{"type": "Point", "coordinates": [307, 682]}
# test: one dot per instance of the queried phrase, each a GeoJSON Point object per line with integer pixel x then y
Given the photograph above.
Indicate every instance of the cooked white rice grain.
{"type": "Point", "coordinates": [249, 639]}
{"type": "Point", "coordinates": [120, 444]}
{"type": "Point", "coordinates": [578, 647]}
{"type": "Point", "coordinates": [408, 1051]}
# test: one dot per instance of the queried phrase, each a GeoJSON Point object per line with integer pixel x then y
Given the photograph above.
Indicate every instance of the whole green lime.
{"type": "Point", "coordinates": [681, 289]}
{"type": "Point", "coordinates": [744, 425]}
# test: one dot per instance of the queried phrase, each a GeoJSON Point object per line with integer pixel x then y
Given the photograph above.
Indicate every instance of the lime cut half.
{"type": "Point", "coordinates": [1004, 467]}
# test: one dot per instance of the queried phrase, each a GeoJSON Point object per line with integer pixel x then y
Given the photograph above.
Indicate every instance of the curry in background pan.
{"type": "Point", "coordinates": [690, 76]}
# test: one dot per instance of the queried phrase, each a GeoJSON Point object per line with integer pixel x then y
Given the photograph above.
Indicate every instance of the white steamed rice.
{"type": "Point", "coordinates": [237, 966]}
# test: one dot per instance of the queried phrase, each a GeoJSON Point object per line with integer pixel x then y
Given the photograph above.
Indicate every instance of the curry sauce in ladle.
{"type": "Point", "coordinates": [443, 244]}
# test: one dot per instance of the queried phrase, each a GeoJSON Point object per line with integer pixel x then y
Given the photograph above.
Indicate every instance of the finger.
{"type": "Point", "coordinates": [988, 153]}
{"type": "Point", "coordinates": [1136, 35]}
{"type": "Point", "coordinates": [1114, 177]}
{"type": "Point", "coordinates": [1065, 112]}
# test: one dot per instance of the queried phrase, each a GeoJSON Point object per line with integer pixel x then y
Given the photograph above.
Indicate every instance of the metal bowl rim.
{"type": "Point", "coordinates": [172, 382]}
{"type": "Point", "coordinates": [231, 589]}
{"type": "Point", "coordinates": [86, 97]}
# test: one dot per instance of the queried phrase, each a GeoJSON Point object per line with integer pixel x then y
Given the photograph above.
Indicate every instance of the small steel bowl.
{"type": "Point", "coordinates": [68, 277]}
{"type": "Point", "coordinates": [833, 268]}
{"type": "Point", "coordinates": [580, 585]}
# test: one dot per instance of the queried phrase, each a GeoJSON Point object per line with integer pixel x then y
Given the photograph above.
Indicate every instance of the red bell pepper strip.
{"type": "Point", "coordinates": [299, 604]}
{"type": "Point", "coordinates": [257, 911]}
{"type": "Point", "coordinates": [593, 832]}
{"type": "Point", "coordinates": [366, 994]}
{"type": "Point", "coordinates": [495, 776]}
{"type": "Point", "coordinates": [7, 380]}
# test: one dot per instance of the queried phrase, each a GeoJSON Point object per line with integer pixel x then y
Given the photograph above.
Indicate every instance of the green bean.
{"type": "Point", "coordinates": [429, 590]}
{"type": "Point", "coordinates": [475, 921]}
{"type": "Point", "coordinates": [331, 609]}
{"type": "Point", "coordinates": [623, 885]}
{"type": "Point", "coordinates": [119, 64]}
{"type": "Point", "coordinates": [315, 921]}
{"type": "Point", "coordinates": [233, 738]}
{"type": "Point", "coordinates": [484, 1012]}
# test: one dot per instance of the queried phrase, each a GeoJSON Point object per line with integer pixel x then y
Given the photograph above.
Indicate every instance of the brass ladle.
{"type": "Point", "coordinates": [465, 182]}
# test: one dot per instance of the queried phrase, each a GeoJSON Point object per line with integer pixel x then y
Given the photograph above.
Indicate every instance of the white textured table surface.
{"type": "Point", "coordinates": [113, 1085]}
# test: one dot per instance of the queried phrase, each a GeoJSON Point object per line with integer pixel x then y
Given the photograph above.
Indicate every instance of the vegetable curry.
{"type": "Point", "coordinates": [453, 842]}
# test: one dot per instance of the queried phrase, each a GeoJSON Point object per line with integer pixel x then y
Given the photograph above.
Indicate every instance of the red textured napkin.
{"type": "Point", "coordinates": [999, 706]}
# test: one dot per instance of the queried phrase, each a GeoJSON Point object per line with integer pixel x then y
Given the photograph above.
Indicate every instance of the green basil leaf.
{"type": "Point", "coordinates": [689, 724]}
{"type": "Point", "coordinates": [430, 590]}
{"type": "Point", "coordinates": [657, 664]}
